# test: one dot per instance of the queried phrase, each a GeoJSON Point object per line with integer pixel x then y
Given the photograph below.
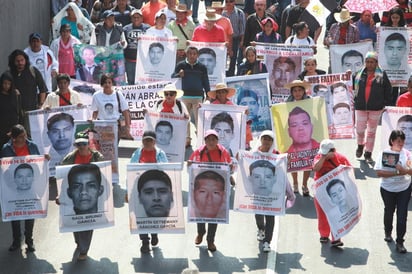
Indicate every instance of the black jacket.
{"type": "Point", "coordinates": [380, 96]}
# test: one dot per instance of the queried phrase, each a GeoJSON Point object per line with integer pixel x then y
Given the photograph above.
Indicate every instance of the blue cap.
{"type": "Point", "coordinates": [34, 35]}
{"type": "Point", "coordinates": [107, 13]}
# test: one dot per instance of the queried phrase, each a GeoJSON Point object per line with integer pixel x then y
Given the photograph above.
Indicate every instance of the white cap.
{"type": "Point", "coordinates": [325, 146]}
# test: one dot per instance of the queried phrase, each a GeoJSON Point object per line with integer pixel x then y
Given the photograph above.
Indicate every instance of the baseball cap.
{"type": "Point", "coordinates": [325, 146]}
{"type": "Point", "coordinates": [107, 13]}
{"type": "Point", "coordinates": [149, 134]}
{"type": "Point", "coordinates": [210, 132]}
{"type": "Point", "coordinates": [81, 137]}
{"type": "Point", "coordinates": [34, 35]}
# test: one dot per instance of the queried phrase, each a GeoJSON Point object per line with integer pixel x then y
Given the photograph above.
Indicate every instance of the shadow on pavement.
{"type": "Point", "coordinates": [90, 266]}
{"type": "Point", "coordinates": [154, 262]}
{"type": "Point", "coordinates": [303, 206]}
{"type": "Point", "coordinates": [288, 262]}
{"type": "Point", "coordinates": [344, 257]}
{"type": "Point", "coordinates": [217, 262]}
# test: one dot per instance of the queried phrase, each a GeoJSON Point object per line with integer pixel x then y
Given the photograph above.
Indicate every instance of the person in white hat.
{"type": "Point", "coordinates": [211, 151]}
{"type": "Point", "coordinates": [209, 31]}
{"type": "Point", "coordinates": [326, 160]}
{"type": "Point", "coordinates": [342, 32]}
{"type": "Point", "coordinates": [170, 102]}
{"type": "Point", "coordinates": [159, 29]}
{"type": "Point", "coordinates": [221, 94]}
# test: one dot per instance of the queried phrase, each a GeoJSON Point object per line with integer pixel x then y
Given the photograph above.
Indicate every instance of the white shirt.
{"type": "Point", "coordinates": [100, 100]}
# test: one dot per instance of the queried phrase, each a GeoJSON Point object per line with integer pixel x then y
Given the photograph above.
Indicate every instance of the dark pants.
{"type": "Point", "coordinates": [398, 201]}
{"type": "Point", "coordinates": [233, 59]}
{"type": "Point", "coordinates": [28, 231]}
{"type": "Point", "coordinates": [145, 237]}
{"type": "Point", "coordinates": [130, 72]}
{"type": "Point", "coordinates": [266, 226]}
{"type": "Point", "coordinates": [211, 231]}
{"type": "Point", "coordinates": [83, 240]}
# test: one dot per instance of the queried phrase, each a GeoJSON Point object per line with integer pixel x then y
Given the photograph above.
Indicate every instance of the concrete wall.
{"type": "Point", "coordinates": [19, 18]}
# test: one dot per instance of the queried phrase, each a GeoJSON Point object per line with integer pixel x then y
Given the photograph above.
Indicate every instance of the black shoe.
{"type": "Point", "coordinates": [154, 240]}
{"type": "Point", "coordinates": [368, 156]}
{"type": "Point", "coordinates": [400, 248]}
{"type": "Point", "coordinates": [145, 247]}
{"type": "Point", "coordinates": [14, 246]}
{"type": "Point", "coordinates": [359, 151]}
{"type": "Point", "coordinates": [30, 247]}
{"type": "Point", "coordinates": [337, 243]}
{"type": "Point", "coordinates": [324, 240]}
{"type": "Point", "coordinates": [388, 237]}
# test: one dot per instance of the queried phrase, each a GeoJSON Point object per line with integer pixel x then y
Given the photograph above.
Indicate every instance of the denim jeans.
{"type": "Point", "coordinates": [267, 227]}
{"type": "Point", "coordinates": [398, 201]}
{"type": "Point", "coordinates": [130, 72]}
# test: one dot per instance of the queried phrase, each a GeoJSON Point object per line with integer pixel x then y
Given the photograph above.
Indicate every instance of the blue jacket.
{"type": "Point", "coordinates": [160, 156]}
{"type": "Point", "coordinates": [8, 150]}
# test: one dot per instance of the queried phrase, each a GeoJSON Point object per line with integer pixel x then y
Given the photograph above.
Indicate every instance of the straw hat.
{"type": "Point", "coordinates": [171, 87]}
{"type": "Point", "coordinates": [183, 8]}
{"type": "Point", "coordinates": [221, 86]}
{"type": "Point", "coordinates": [298, 83]}
{"type": "Point", "coordinates": [342, 16]}
{"type": "Point", "coordinates": [217, 5]}
{"type": "Point", "coordinates": [211, 15]}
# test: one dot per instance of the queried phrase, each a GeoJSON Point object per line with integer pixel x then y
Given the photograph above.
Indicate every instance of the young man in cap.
{"type": "Point", "coordinates": [210, 152]}
{"type": "Point", "coordinates": [148, 153]}
{"type": "Point", "coordinates": [108, 32]}
{"type": "Point", "coordinates": [132, 32]}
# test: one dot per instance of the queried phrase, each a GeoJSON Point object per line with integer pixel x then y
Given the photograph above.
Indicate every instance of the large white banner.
{"type": "Point", "coordinates": [338, 196]}
{"type": "Point", "coordinates": [253, 92]}
{"type": "Point", "coordinates": [397, 118]}
{"type": "Point", "coordinates": [261, 183]}
{"type": "Point", "coordinates": [284, 63]}
{"type": "Point", "coordinates": [336, 90]}
{"type": "Point", "coordinates": [393, 46]}
{"type": "Point", "coordinates": [170, 130]}
{"type": "Point", "coordinates": [85, 89]}
{"type": "Point", "coordinates": [213, 56]}
{"type": "Point", "coordinates": [229, 121]}
{"type": "Point", "coordinates": [156, 59]}
{"type": "Point", "coordinates": [103, 138]}
{"type": "Point", "coordinates": [348, 56]}
{"type": "Point", "coordinates": [140, 97]}
{"type": "Point", "coordinates": [155, 198]}
{"type": "Point", "coordinates": [53, 131]}
{"type": "Point", "coordinates": [86, 196]}
{"type": "Point", "coordinates": [209, 193]}
{"type": "Point", "coordinates": [24, 187]}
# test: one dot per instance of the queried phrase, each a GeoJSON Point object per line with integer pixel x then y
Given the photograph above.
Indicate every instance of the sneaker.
{"type": "Point", "coordinates": [266, 247]}
{"type": "Point", "coordinates": [211, 246]}
{"type": "Point", "coordinates": [400, 248]}
{"type": "Point", "coordinates": [388, 237]}
{"type": "Point", "coordinates": [199, 239]}
{"type": "Point", "coordinates": [14, 246]}
{"type": "Point", "coordinates": [324, 240]}
{"type": "Point", "coordinates": [155, 240]}
{"type": "Point", "coordinates": [336, 243]}
{"type": "Point", "coordinates": [359, 151]}
{"type": "Point", "coordinates": [260, 235]}
{"type": "Point", "coordinates": [145, 247]}
{"type": "Point", "coordinates": [82, 257]}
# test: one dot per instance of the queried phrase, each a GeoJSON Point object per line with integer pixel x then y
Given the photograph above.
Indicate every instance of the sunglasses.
{"type": "Point", "coordinates": [170, 93]}
{"type": "Point", "coordinates": [82, 144]}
